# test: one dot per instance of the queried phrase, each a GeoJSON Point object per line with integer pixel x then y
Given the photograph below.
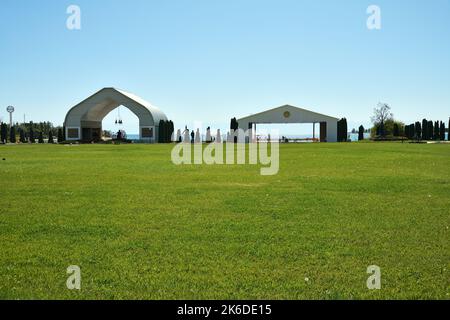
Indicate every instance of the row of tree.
{"type": "Point", "coordinates": [426, 130]}
{"type": "Point", "coordinates": [165, 131]}
{"type": "Point", "coordinates": [385, 126]}
{"type": "Point", "coordinates": [29, 135]}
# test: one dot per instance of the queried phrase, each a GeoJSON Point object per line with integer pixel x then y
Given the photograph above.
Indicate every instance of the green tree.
{"type": "Point", "coordinates": [381, 115]}
{"type": "Point", "coordinates": [396, 130]}
{"type": "Point", "coordinates": [60, 135]}
{"type": "Point", "coordinates": [4, 132]}
{"type": "Point", "coordinates": [234, 125]}
{"type": "Point", "coordinates": [442, 131]}
{"type": "Point", "coordinates": [171, 130]}
{"type": "Point", "coordinates": [167, 131]}
{"type": "Point", "coordinates": [31, 135]}
{"type": "Point", "coordinates": [12, 135]}
{"type": "Point", "coordinates": [361, 133]}
{"type": "Point", "coordinates": [50, 136]}
{"type": "Point", "coordinates": [417, 131]}
{"type": "Point", "coordinates": [161, 131]}
{"type": "Point", "coordinates": [22, 136]}
{"type": "Point", "coordinates": [436, 130]}
{"type": "Point", "coordinates": [430, 130]}
{"type": "Point", "coordinates": [41, 137]}
{"type": "Point", "coordinates": [342, 130]}
{"type": "Point", "coordinates": [409, 131]}
{"type": "Point", "coordinates": [424, 129]}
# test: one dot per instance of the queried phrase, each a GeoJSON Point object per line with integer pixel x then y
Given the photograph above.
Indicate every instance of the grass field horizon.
{"type": "Point", "coordinates": [142, 228]}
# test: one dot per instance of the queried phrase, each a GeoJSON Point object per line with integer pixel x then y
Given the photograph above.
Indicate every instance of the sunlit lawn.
{"type": "Point", "coordinates": [142, 228]}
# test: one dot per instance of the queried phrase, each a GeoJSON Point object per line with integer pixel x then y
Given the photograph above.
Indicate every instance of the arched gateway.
{"type": "Point", "coordinates": [84, 121]}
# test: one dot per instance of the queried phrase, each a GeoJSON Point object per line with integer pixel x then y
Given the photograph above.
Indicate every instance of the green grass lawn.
{"type": "Point", "coordinates": [142, 228]}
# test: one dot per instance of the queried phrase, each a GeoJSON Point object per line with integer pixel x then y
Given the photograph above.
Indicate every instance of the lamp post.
{"type": "Point", "coordinates": [10, 110]}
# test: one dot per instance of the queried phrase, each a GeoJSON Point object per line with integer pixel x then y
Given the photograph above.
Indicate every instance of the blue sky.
{"type": "Point", "coordinates": [211, 60]}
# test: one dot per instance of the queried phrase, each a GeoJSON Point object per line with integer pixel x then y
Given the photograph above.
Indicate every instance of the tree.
{"type": "Point", "coordinates": [167, 132]}
{"type": "Point", "coordinates": [410, 131]}
{"type": "Point", "coordinates": [361, 133]}
{"type": "Point", "coordinates": [12, 135]}
{"type": "Point", "coordinates": [448, 131]}
{"type": "Point", "coordinates": [396, 130]}
{"type": "Point", "coordinates": [425, 130]}
{"type": "Point", "coordinates": [417, 130]}
{"type": "Point", "coordinates": [171, 131]}
{"type": "Point", "coordinates": [22, 136]}
{"type": "Point", "coordinates": [234, 125]}
{"type": "Point", "coordinates": [60, 135]}
{"type": "Point", "coordinates": [442, 131]}
{"type": "Point", "coordinates": [430, 130]}
{"type": "Point", "coordinates": [41, 137]}
{"type": "Point", "coordinates": [161, 131]}
{"type": "Point", "coordinates": [50, 137]}
{"type": "Point", "coordinates": [4, 132]}
{"type": "Point", "coordinates": [436, 130]}
{"type": "Point", "coordinates": [342, 130]}
{"type": "Point", "coordinates": [382, 114]}
{"type": "Point", "coordinates": [31, 133]}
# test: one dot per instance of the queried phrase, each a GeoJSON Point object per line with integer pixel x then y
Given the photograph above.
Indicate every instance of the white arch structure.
{"type": "Point", "coordinates": [84, 121]}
